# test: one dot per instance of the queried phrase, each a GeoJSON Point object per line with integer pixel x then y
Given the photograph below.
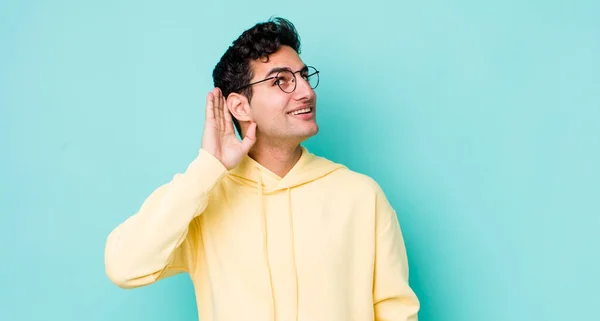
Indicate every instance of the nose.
{"type": "Point", "coordinates": [303, 89]}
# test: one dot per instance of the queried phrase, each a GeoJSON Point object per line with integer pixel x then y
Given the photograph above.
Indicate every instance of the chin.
{"type": "Point", "coordinates": [298, 134]}
{"type": "Point", "coordinates": [310, 133]}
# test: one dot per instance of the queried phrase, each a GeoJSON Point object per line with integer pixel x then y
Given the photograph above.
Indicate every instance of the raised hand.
{"type": "Point", "coordinates": [219, 136]}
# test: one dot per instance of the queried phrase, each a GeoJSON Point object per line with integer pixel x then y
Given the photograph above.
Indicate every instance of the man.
{"type": "Point", "coordinates": [265, 229]}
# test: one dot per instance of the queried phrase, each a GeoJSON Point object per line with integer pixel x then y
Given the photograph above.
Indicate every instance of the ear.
{"type": "Point", "coordinates": [239, 107]}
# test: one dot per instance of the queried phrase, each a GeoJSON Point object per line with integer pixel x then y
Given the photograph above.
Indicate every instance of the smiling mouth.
{"type": "Point", "coordinates": [301, 111]}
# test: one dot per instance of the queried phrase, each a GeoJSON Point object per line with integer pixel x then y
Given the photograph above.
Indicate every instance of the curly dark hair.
{"type": "Point", "coordinates": [263, 39]}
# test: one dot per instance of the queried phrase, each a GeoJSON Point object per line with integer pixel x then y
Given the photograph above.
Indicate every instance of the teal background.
{"type": "Point", "coordinates": [479, 119]}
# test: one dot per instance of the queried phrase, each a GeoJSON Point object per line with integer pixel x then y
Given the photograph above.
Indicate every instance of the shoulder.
{"type": "Point", "coordinates": [365, 193]}
{"type": "Point", "coordinates": [346, 180]}
{"type": "Point", "coordinates": [357, 183]}
{"type": "Point", "coordinates": [357, 179]}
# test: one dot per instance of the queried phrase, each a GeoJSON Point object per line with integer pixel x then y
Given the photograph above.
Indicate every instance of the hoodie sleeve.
{"type": "Point", "coordinates": [393, 298]}
{"type": "Point", "coordinates": [161, 239]}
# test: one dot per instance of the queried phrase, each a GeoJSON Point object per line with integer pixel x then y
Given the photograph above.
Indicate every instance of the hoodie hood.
{"type": "Point", "coordinates": [308, 168]}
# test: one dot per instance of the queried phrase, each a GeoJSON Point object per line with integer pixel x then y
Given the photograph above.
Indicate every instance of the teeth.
{"type": "Point", "coordinates": [301, 111]}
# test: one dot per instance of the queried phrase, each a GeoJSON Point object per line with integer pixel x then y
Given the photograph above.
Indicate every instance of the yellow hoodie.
{"type": "Point", "coordinates": [320, 244]}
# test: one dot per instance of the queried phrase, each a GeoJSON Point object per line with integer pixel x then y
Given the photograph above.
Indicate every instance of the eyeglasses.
{"type": "Point", "coordinates": [286, 79]}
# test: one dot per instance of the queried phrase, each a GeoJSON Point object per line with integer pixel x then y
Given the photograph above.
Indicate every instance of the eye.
{"type": "Point", "coordinates": [284, 79]}
{"type": "Point", "coordinates": [305, 75]}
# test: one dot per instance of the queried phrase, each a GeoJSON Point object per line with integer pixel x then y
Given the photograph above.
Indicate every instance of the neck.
{"type": "Point", "coordinates": [278, 159]}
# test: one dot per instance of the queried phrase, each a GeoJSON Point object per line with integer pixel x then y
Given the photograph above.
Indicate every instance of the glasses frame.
{"type": "Point", "coordinates": [316, 72]}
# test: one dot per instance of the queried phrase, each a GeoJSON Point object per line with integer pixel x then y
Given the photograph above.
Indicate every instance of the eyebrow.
{"type": "Point", "coordinates": [278, 69]}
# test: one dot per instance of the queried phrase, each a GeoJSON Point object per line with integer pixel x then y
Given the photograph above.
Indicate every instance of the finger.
{"type": "Point", "coordinates": [218, 108]}
{"type": "Point", "coordinates": [250, 138]}
{"type": "Point", "coordinates": [222, 108]}
{"type": "Point", "coordinates": [210, 107]}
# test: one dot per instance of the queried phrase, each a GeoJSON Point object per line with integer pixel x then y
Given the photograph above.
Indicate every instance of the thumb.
{"type": "Point", "coordinates": [250, 138]}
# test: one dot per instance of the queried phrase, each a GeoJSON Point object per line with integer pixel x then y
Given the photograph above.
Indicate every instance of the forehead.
{"type": "Point", "coordinates": [284, 57]}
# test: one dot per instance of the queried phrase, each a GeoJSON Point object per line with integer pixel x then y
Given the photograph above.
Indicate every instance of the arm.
{"type": "Point", "coordinates": [393, 298]}
{"type": "Point", "coordinates": [160, 239]}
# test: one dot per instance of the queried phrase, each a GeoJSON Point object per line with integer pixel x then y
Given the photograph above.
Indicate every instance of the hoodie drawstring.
{"type": "Point", "coordinates": [266, 244]}
{"type": "Point", "coordinates": [265, 239]}
{"type": "Point", "coordinates": [291, 217]}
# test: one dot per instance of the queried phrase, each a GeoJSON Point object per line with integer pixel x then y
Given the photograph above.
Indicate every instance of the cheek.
{"type": "Point", "coordinates": [270, 111]}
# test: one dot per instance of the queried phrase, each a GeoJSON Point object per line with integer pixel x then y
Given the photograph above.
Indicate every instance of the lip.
{"type": "Point", "coordinates": [302, 107]}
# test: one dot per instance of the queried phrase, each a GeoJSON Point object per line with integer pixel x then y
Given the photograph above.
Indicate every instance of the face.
{"type": "Point", "coordinates": [275, 111]}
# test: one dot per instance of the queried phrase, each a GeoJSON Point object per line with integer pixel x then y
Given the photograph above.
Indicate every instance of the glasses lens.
{"type": "Point", "coordinates": [313, 77]}
{"type": "Point", "coordinates": [286, 81]}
